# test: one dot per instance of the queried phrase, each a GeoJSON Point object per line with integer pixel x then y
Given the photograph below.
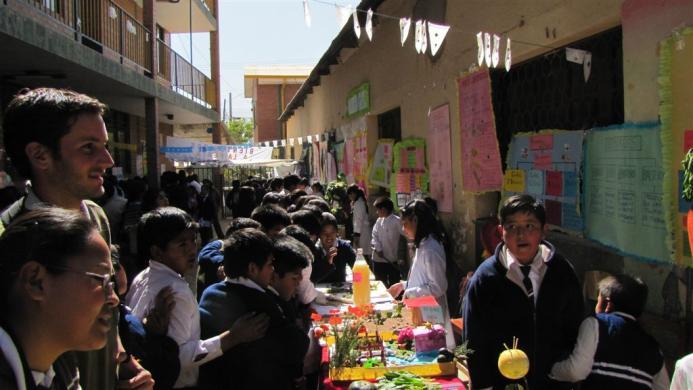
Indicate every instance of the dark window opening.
{"type": "Point", "coordinates": [549, 92]}
{"type": "Point", "coordinates": [390, 125]}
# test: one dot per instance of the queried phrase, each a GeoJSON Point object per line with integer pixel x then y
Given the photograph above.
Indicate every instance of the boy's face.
{"type": "Point", "coordinates": [522, 233]}
{"type": "Point", "coordinates": [262, 275]}
{"type": "Point", "coordinates": [180, 253]}
{"type": "Point", "coordinates": [286, 286]}
{"type": "Point", "coordinates": [328, 236]}
{"type": "Point", "coordinates": [603, 305]}
{"type": "Point", "coordinates": [382, 212]}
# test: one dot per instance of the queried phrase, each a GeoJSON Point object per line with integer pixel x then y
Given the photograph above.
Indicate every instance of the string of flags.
{"type": "Point", "coordinates": [294, 141]}
{"type": "Point", "coordinates": [489, 50]}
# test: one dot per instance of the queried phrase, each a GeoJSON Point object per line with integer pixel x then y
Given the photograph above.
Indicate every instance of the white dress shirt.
{"type": "Point", "coordinates": [184, 327]}
{"type": "Point", "coordinates": [536, 273]}
{"type": "Point", "coordinates": [306, 291]}
{"type": "Point", "coordinates": [579, 364]}
{"type": "Point", "coordinates": [683, 374]}
{"type": "Point", "coordinates": [385, 238]}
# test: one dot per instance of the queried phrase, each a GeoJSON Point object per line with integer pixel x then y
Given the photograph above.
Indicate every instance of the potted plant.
{"type": "Point", "coordinates": [687, 193]}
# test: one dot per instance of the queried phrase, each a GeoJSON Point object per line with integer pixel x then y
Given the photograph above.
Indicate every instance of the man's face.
{"type": "Point", "coordinates": [83, 159]}
{"type": "Point", "coordinates": [328, 236]}
{"type": "Point", "coordinates": [522, 233]}
{"type": "Point", "coordinates": [286, 286]}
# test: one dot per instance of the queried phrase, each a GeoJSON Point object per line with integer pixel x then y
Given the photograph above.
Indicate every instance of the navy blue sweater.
{"type": "Point", "coordinates": [496, 310]}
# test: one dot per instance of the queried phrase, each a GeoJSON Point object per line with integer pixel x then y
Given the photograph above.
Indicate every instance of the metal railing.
{"type": "Point", "coordinates": [184, 77]}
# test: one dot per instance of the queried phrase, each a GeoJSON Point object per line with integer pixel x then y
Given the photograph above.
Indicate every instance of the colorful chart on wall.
{"type": "Point", "coordinates": [381, 166]}
{"type": "Point", "coordinates": [547, 165]}
{"type": "Point", "coordinates": [623, 190]}
{"type": "Point", "coordinates": [440, 157]}
{"type": "Point", "coordinates": [481, 164]}
{"type": "Point", "coordinates": [676, 114]}
{"type": "Point", "coordinates": [359, 159]}
{"type": "Point", "coordinates": [410, 177]}
{"type": "Point", "coordinates": [339, 156]}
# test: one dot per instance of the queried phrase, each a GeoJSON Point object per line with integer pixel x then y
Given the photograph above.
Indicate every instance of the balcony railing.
{"type": "Point", "coordinates": [184, 77]}
{"type": "Point", "coordinates": [109, 26]}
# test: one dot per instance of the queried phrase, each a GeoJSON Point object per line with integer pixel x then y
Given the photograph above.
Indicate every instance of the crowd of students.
{"type": "Point", "coordinates": [174, 307]}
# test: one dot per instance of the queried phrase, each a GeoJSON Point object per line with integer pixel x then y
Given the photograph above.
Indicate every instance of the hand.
{"type": "Point", "coordinates": [331, 254]}
{"type": "Point", "coordinates": [249, 327]}
{"type": "Point", "coordinates": [396, 289]}
{"type": "Point", "coordinates": [221, 275]}
{"type": "Point", "coordinates": [133, 376]}
{"type": "Point", "coordinates": [158, 318]}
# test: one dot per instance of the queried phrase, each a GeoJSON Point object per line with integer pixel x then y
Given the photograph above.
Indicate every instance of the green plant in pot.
{"type": "Point", "coordinates": [687, 193]}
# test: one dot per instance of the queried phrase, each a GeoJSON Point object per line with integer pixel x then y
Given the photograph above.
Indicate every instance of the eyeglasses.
{"type": "Point", "coordinates": [515, 228]}
{"type": "Point", "coordinates": [107, 280]}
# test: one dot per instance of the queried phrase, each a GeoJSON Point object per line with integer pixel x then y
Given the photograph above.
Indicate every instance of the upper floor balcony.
{"type": "Point", "coordinates": [120, 36]}
{"type": "Point", "coordinates": [182, 16]}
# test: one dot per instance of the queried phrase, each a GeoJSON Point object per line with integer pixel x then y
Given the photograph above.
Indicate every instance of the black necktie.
{"type": "Point", "coordinates": [527, 282]}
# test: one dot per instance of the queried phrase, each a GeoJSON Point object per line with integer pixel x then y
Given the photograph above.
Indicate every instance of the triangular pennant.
{"type": "Point", "coordinates": [495, 57]}
{"type": "Point", "coordinates": [291, 142]}
{"type": "Point", "coordinates": [487, 49]}
{"type": "Point", "coordinates": [508, 57]}
{"type": "Point", "coordinates": [275, 143]}
{"type": "Point", "coordinates": [306, 13]}
{"type": "Point", "coordinates": [480, 43]}
{"type": "Point", "coordinates": [310, 139]}
{"type": "Point", "coordinates": [357, 26]}
{"type": "Point", "coordinates": [418, 43]}
{"type": "Point", "coordinates": [587, 66]}
{"type": "Point", "coordinates": [283, 142]}
{"type": "Point", "coordinates": [424, 38]}
{"type": "Point", "coordinates": [436, 33]}
{"type": "Point", "coordinates": [369, 24]}
{"type": "Point", "coordinates": [404, 27]}
{"type": "Point", "coordinates": [343, 14]}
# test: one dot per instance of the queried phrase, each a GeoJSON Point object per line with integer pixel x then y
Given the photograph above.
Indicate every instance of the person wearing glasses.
{"type": "Point", "coordinates": [525, 290]}
{"type": "Point", "coordinates": [57, 295]}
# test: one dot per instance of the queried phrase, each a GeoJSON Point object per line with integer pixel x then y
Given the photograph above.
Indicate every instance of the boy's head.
{"type": "Point", "coordinates": [304, 183]}
{"type": "Point", "coordinates": [168, 235]}
{"type": "Point", "coordinates": [276, 184]}
{"type": "Point", "coordinates": [307, 220]}
{"type": "Point", "coordinates": [272, 218]}
{"type": "Point", "coordinates": [242, 223]}
{"type": "Point", "coordinates": [328, 231]}
{"type": "Point", "coordinates": [248, 254]}
{"type": "Point", "coordinates": [290, 258]}
{"type": "Point", "coordinates": [523, 221]}
{"type": "Point", "coordinates": [383, 206]}
{"type": "Point", "coordinates": [272, 198]}
{"type": "Point", "coordinates": [622, 293]}
{"type": "Point", "coordinates": [291, 182]}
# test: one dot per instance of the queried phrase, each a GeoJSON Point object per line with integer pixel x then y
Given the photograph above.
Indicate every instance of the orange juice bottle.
{"type": "Point", "coordinates": [361, 280]}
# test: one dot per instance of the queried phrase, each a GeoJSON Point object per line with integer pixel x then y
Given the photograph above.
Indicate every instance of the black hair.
{"type": "Point", "coordinates": [300, 234]}
{"type": "Point", "coordinates": [296, 195]}
{"type": "Point", "coordinates": [48, 236]}
{"type": "Point", "coordinates": [242, 223]}
{"type": "Point", "coordinates": [42, 115]}
{"type": "Point", "coordinates": [304, 181]}
{"type": "Point", "coordinates": [246, 202]}
{"type": "Point", "coordinates": [271, 215]}
{"type": "Point", "coordinates": [243, 247]}
{"type": "Point", "coordinates": [384, 202]}
{"type": "Point", "coordinates": [355, 189]}
{"type": "Point", "coordinates": [319, 186]}
{"type": "Point", "coordinates": [626, 293]}
{"type": "Point", "coordinates": [321, 203]}
{"type": "Point", "coordinates": [276, 184]}
{"type": "Point", "coordinates": [522, 204]}
{"type": "Point", "coordinates": [426, 223]}
{"type": "Point", "coordinates": [291, 181]}
{"type": "Point", "coordinates": [303, 200]}
{"type": "Point", "coordinates": [432, 204]}
{"type": "Point", "coordinates": [235, 183]}
{"type": "Point", "coordinates": [290, 255]}
{"type": "Point", "coordinates": [328, 220]}
{"type": "Point", "coordinates": [272, 198]}
{"type": "Point", "coordinates": [307, 220]}
{"type": "Point", "coordinates": [159, 227]}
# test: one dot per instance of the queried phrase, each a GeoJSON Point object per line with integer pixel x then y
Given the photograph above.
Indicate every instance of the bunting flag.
{"type": "Point", "coordinates": [480, 43]}
{"type": "Point", "coordinates": [508, 57]}
{"type": "Point", "coordinates": [404, 27]}
{"type": "Point", "coordinates": [310, 139]}
{"type": "Point", "coordinates": [587, 66]}
{"type": "Point", "coordinates": [357, 26]}
{"type": "Point", "coordinates": [283, 143]}
{"type": "Point", "coordinates": [437, 33]}
{"type": "Point", "coordinates": [487, 49]}
{"type": "Point", "coordinates": [306, 13]}
{"type": "Point", "coordinates": [291, 142]}
{"type": "Point", "coordinates": [275, 143]}
{"type": "Point", "coordinates": [369, 24]}
{"type": "Point", "coordinates": [343, 14]}
{"type": "Point", "coordinates": [418, 44]}
{"type": "Point", "coordinates": [496, 50]}
{"type": "Point", "coordinates": [424, 38]}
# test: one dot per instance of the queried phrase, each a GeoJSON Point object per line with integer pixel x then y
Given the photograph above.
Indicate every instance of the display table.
{"type": "Point", "coordinates": [447, 383]}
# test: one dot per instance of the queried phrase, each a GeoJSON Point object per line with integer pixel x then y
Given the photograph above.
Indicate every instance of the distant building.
{"type": "Point", "coordinates": [118, 51]}
{"type": "Point", "coordinates": [271, 88]}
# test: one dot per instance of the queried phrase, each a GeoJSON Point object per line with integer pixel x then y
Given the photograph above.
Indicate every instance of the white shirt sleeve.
{"type": "Point", "coordinates": [682, 379]}
{"type": "Point", "coordinates": [579, 364]}
{"type": "Point", "coordinates": [427, 276]}
{"type": "Point", "coordinates": [375, 236]}
{"type": "Point", "coordinates": [191, 350]}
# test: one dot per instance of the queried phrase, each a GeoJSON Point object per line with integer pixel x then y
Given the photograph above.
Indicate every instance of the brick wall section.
{"type": "Point", "coordinates": [267, 112]}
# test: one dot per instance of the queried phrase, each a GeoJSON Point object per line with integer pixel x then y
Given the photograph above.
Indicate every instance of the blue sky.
{"type": "Point", "coordinates": [263, 32]}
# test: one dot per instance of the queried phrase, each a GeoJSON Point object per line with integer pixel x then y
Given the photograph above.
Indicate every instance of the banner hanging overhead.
{"type": "Point", "coordinates": [182, 149]}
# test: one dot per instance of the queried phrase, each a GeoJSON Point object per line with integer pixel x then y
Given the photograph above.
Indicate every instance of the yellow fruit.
{"type": "Point", "coordinates": [513, 363]}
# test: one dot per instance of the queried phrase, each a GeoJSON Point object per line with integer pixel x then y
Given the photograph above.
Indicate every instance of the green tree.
{"type": "Point", "coordinates": [240, 130]}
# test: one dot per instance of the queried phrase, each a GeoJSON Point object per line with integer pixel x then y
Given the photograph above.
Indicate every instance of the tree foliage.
{"type": "Point", "coordinates": [240, 130]}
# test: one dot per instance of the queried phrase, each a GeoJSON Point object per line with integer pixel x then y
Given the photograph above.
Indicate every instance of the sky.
{"type": "Point", "coordinates": [263, 32]}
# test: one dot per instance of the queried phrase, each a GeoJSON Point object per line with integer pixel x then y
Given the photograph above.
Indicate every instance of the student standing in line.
{"type": "Point", "coordinates": [385, 243]}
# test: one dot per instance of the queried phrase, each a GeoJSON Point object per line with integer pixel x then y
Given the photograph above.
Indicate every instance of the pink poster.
{"type": "Point", "coordinates": [481, 165]}
{"type": "Point", "coordinates": [360, 159]}
{"type": "Point", "coordinates": [440, 157]}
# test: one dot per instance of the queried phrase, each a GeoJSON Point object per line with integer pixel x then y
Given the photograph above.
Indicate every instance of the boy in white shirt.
{"type": "Point", "coordinates": [385, 242]}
